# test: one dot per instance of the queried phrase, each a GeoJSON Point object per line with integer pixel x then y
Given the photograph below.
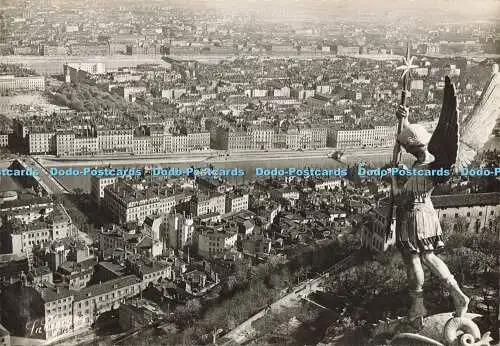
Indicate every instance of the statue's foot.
{"type": "Point", "coordinates": [461, 304]}
{"type": "Point", "coordinates": [417, 307]}
{"type": "Point", "coordinates": [460, 300]}
{"type": "Point", "coordinates": [417, 323]}
{"type": "Point", "coordinates": [411, 324]}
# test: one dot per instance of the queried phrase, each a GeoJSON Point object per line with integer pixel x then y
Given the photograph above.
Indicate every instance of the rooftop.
{"type": "Point", "coordinates": [71, 266]}
{"type": "Point", "coordinates": [132, 193]}
{"type": "Point", "coordinates": [466, 200]}
{"type": "Point", "coordinates": [6, 258]}
{"type": "Point", "coordinates": [45, 221]}
{"type": "Point", "coordinates": [146, 267]}
{"type": "Point", "coordinates": [53, 293]}
{"type": "Point", "coordinates": [112, 267]}
{"type": "Point", "coordinates": [106, 287]}
{"type": "Point", "coordinates": [40, 271]}
{"type": "Point", "coordinates": [25, 201]}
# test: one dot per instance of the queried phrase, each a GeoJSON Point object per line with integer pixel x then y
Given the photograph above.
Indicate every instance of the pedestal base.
{"type": "Point", "coordinates": [441, 330]}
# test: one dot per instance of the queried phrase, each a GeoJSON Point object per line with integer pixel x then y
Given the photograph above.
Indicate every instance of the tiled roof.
{"type": "Point", "coordinates": [145, 242]}
{"type": "Point", "coordinates": [105, 287]}
{"type": "Point", "coordinates": [25, 200]}
{"type": "Point", "coordinates": [73, 267]}
{"type": "Point", "coordinates": [6, 258]}
{"type": "Point", "coordinates": [50, 294]}
{"type": "Point", "coordinates": [40, 271]}
{"type": "Point", "coordinates": [112, 267]}
{"type": "Point", "coordinates": [466, 200]}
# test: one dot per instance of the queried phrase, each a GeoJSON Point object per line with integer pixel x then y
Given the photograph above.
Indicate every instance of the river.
{"type": "Point", "coordinates": [248, 166]}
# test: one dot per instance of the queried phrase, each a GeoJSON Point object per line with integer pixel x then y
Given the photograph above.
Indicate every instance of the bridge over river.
{"type": "Point", "coordinates": [44, 180]}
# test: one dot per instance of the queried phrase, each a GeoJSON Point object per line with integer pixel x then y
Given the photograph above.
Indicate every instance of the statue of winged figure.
{"type": "Point", "coordinates": [419, 236]}
{"type": "Point", "coordinates": [418, 230]}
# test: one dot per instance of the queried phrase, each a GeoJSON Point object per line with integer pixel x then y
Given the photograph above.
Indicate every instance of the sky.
{"type": "Point", "coordinates": [473, 8]}
{"type": "Point", "coordinates": [487, 8]}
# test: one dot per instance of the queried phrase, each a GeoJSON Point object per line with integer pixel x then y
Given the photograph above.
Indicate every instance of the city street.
{"type": "Point", "coordinates": [244, 332]}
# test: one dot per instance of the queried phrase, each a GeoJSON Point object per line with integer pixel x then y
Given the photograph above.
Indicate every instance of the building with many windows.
{"type": "Point", "coordinates": [55, 311]}
{"type": "Point", "coordinates": [97, 185]}
{"type": "Point", "coordinates": [23, 229]}
{"type": "Point", "coordinates": [142, 145]}
{"type": "Point", "coordinates": [231, 139]}
{"type": "Point", "coordinates": [202, 204]}
{"type": "Point", "coordinates": [128, 239]}
{"type": "Point", "coordinates": [90, 302]}
{"type": "Point", "coordinates": [470, 212]}
{"type": "Point", "coordinates": [4, 140]}
{"type": "Point", "coordinates": [214, 240]}
{"type": "Point", "coordinates": [379, 136]}
{"type": "Point", "coordinates": [375, 234]}
{"type": "Point", "coordinates": [198, 140]}
{"type": "Point", "coordinates": [148, 271]}
{"type": "Point", "coordinates": [180, 230]}
{"type": "Point", "coordinates": [8, 82]}
{"type": "Point", "coordinates": [179, 143]}
{"type": "Point", "coordinates": [236, 201]}
{"type": "Point", "coordinates": [261, 137]}
{"type": "Point", "coordinates": [65, 144]}
{"type": "Point", "coordinates": [85, 145]}
{"type": "Point", "coordinates": [134, 202]}
{"type": "Point", "coordinates": [115, 140]}
{"type": "Point", "coordinates": [42, 142]}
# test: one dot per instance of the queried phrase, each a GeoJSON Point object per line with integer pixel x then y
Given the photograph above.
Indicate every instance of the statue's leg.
{"type": "Point", "coordinates": [416, 282]}
{"type": "Point", "coordinates": [439, 268]}
{"type": "Point", "coordinates": [409, 270]}
{"type": "Point", "coordinates": [417, 272]}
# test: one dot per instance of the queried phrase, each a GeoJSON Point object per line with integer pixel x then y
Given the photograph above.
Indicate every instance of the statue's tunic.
{"type": "Point", "coordinates": [417, 223]}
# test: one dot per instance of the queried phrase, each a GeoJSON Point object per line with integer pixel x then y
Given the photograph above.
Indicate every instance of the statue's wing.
{"type": "Point", "coordinates": [444, 141]}
{"type": "Point", "coordinates": [476, 129]}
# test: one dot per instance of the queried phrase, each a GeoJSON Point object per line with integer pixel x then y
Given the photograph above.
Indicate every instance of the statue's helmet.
{"type": "Point", "coordinates": [414, 136]}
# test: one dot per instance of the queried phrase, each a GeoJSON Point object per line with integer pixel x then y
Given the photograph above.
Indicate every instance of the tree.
{"type": "Point", "coordinates": [60, 99]}
{"type": "Point", "coordinates": [77, 105]}
{"type": "Point", "coordinates": [299, 274]}
{"type": "Point", "coordinates": [188, 312]}
{"type": "Point", "coordinates": [454, 240]}
{"type": "Point", "coordinates": [455, 225]}
{"type": "Point", "coordinates": [193, 307]}
{"type": "Point", "coordinates": [231, 283]}
{"type": "Point", "coordinates": [467, 262]}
